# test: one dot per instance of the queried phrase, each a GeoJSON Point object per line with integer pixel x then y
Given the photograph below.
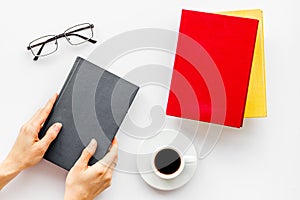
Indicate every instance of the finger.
{"type": "Point", "coordinates": [50, 135]}
{"type": "Point", "coordinates": [114, 142]}
{"type": "Point", "coordinates": [87, 153]}
{"type": "Point", "coordinates": [113, 164]}
{"type": "Point", "coordinates": [110, 170]}
{"type": "Point", "coordinates": [43, 114]}
{"type": "Point", "coordinates": [34, 117]}
{"type": "Point", "coordinates": [39, 111]}
{"type": "Point", "coordinates": [34, 123]}
{"type": "Point", "coordinates": [110, 159]}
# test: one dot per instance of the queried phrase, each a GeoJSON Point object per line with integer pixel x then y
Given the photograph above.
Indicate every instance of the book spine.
{"type": "Point", "coordinates": [77, 63]}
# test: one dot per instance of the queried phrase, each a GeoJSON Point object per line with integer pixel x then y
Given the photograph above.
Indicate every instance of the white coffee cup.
{"type": "Point", "coordinates": [168, 162]}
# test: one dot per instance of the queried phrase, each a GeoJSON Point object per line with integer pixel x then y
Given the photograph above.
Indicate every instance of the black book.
{"type": "Point", "coordinates": [92, 104]}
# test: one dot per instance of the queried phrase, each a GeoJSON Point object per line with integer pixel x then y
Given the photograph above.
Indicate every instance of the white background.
{"type": "Point", "coordinates": [259, 161]}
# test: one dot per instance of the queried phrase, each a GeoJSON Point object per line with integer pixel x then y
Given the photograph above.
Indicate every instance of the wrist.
{"type": "Point", "coordinates": [76, 194]}
{"type": "Point", "coordinates": [72, 197]}
{"type": "Point", "coordinates": [11, 167]}
{"type": "Point", "coordinates": [8, 171]}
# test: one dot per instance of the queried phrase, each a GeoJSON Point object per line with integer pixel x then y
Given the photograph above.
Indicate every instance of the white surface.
{"type": "Point", "coordinates": [260, 161]}
{"type": "Point", "coordinates": [146, 154]}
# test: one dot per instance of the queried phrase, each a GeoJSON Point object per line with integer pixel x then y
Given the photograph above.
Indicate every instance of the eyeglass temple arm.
{"type": "Point", "coordinates": [42, 43]}
{"type": "Point", "coordinates": [83, 37]}
{"type": "Point", "coordinates": [83, 28]}
{"type": "Point", "coordinates": [36, 57]}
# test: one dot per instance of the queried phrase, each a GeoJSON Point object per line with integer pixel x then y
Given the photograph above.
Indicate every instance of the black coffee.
{"type": "Point", "coordinates": [167, 161]}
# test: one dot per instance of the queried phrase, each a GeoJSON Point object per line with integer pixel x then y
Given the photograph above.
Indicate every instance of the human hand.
{"type": "Point", "coordinates": [28, 149]}
{"type": "Point", "coordinates": [86, 182]}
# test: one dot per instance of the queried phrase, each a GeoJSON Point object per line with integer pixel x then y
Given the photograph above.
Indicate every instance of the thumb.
{"type": "Point", "coordinates": [111, 157]}
{"type": "Point", "coordinates": [87, 153]}
{"type": "Point", "coordinates": [50, 135]}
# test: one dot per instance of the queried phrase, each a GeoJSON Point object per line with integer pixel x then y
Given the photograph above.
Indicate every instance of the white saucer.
{"type": "Point", "coordinates": [144, 157]}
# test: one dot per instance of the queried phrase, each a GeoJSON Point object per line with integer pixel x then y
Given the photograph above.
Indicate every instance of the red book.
{"type": "Point", "coordinates": [212, 68]}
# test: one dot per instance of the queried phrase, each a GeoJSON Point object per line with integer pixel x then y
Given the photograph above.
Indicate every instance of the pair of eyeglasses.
{"type": "Point", "coordinates": [75, 35]}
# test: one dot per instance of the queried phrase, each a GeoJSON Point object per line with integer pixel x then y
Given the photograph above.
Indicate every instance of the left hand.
{"type": "Point", "coordinates": [28, 149]}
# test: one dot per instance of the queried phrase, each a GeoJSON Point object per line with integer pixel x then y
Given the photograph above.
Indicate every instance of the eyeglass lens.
{"type": "Point", "coordinates": [79, 34]}
{"type": "Point", "coordinates": [44, 45]}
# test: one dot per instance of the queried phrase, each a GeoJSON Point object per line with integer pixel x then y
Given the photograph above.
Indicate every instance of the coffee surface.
{"type": "Point", "coordinates": [167, 161]}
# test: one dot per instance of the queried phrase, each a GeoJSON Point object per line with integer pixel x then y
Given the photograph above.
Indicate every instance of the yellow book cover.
{"type": "Point", "coordinates": [256, 104]}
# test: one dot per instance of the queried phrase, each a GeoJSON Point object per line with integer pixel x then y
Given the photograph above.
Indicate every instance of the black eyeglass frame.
{"type": "Point", "coordinates": [56, 37]}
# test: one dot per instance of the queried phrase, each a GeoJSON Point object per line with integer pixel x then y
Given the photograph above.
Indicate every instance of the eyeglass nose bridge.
{"type": "Point", "coordinates": [60, 36]}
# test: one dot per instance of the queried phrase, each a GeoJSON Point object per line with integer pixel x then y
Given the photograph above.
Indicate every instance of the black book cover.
{"type": "Point", "coordinates": [92, 104]}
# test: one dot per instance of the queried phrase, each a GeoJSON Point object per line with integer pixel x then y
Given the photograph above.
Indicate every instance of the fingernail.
{"type": "Point", "coordinates": [57, 126]}
{"type": "Point", "coordinates": [92, 146]}
{"type": "Point", "coordinates": [115, 141]}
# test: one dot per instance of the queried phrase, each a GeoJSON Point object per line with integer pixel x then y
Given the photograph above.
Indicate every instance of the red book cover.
{"type": "Point", "coordinates": [212, 68]}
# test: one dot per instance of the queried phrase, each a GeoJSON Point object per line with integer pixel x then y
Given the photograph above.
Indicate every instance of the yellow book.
{"type": "Point", "coordinates": [256, 104]}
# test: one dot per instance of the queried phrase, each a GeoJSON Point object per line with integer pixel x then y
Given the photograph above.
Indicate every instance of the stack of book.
{"type": "Point", "coordinates": [219, 68]}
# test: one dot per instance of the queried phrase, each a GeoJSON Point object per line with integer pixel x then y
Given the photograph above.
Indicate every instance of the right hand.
{"type": "Point", "coordinates": [86, 182]}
